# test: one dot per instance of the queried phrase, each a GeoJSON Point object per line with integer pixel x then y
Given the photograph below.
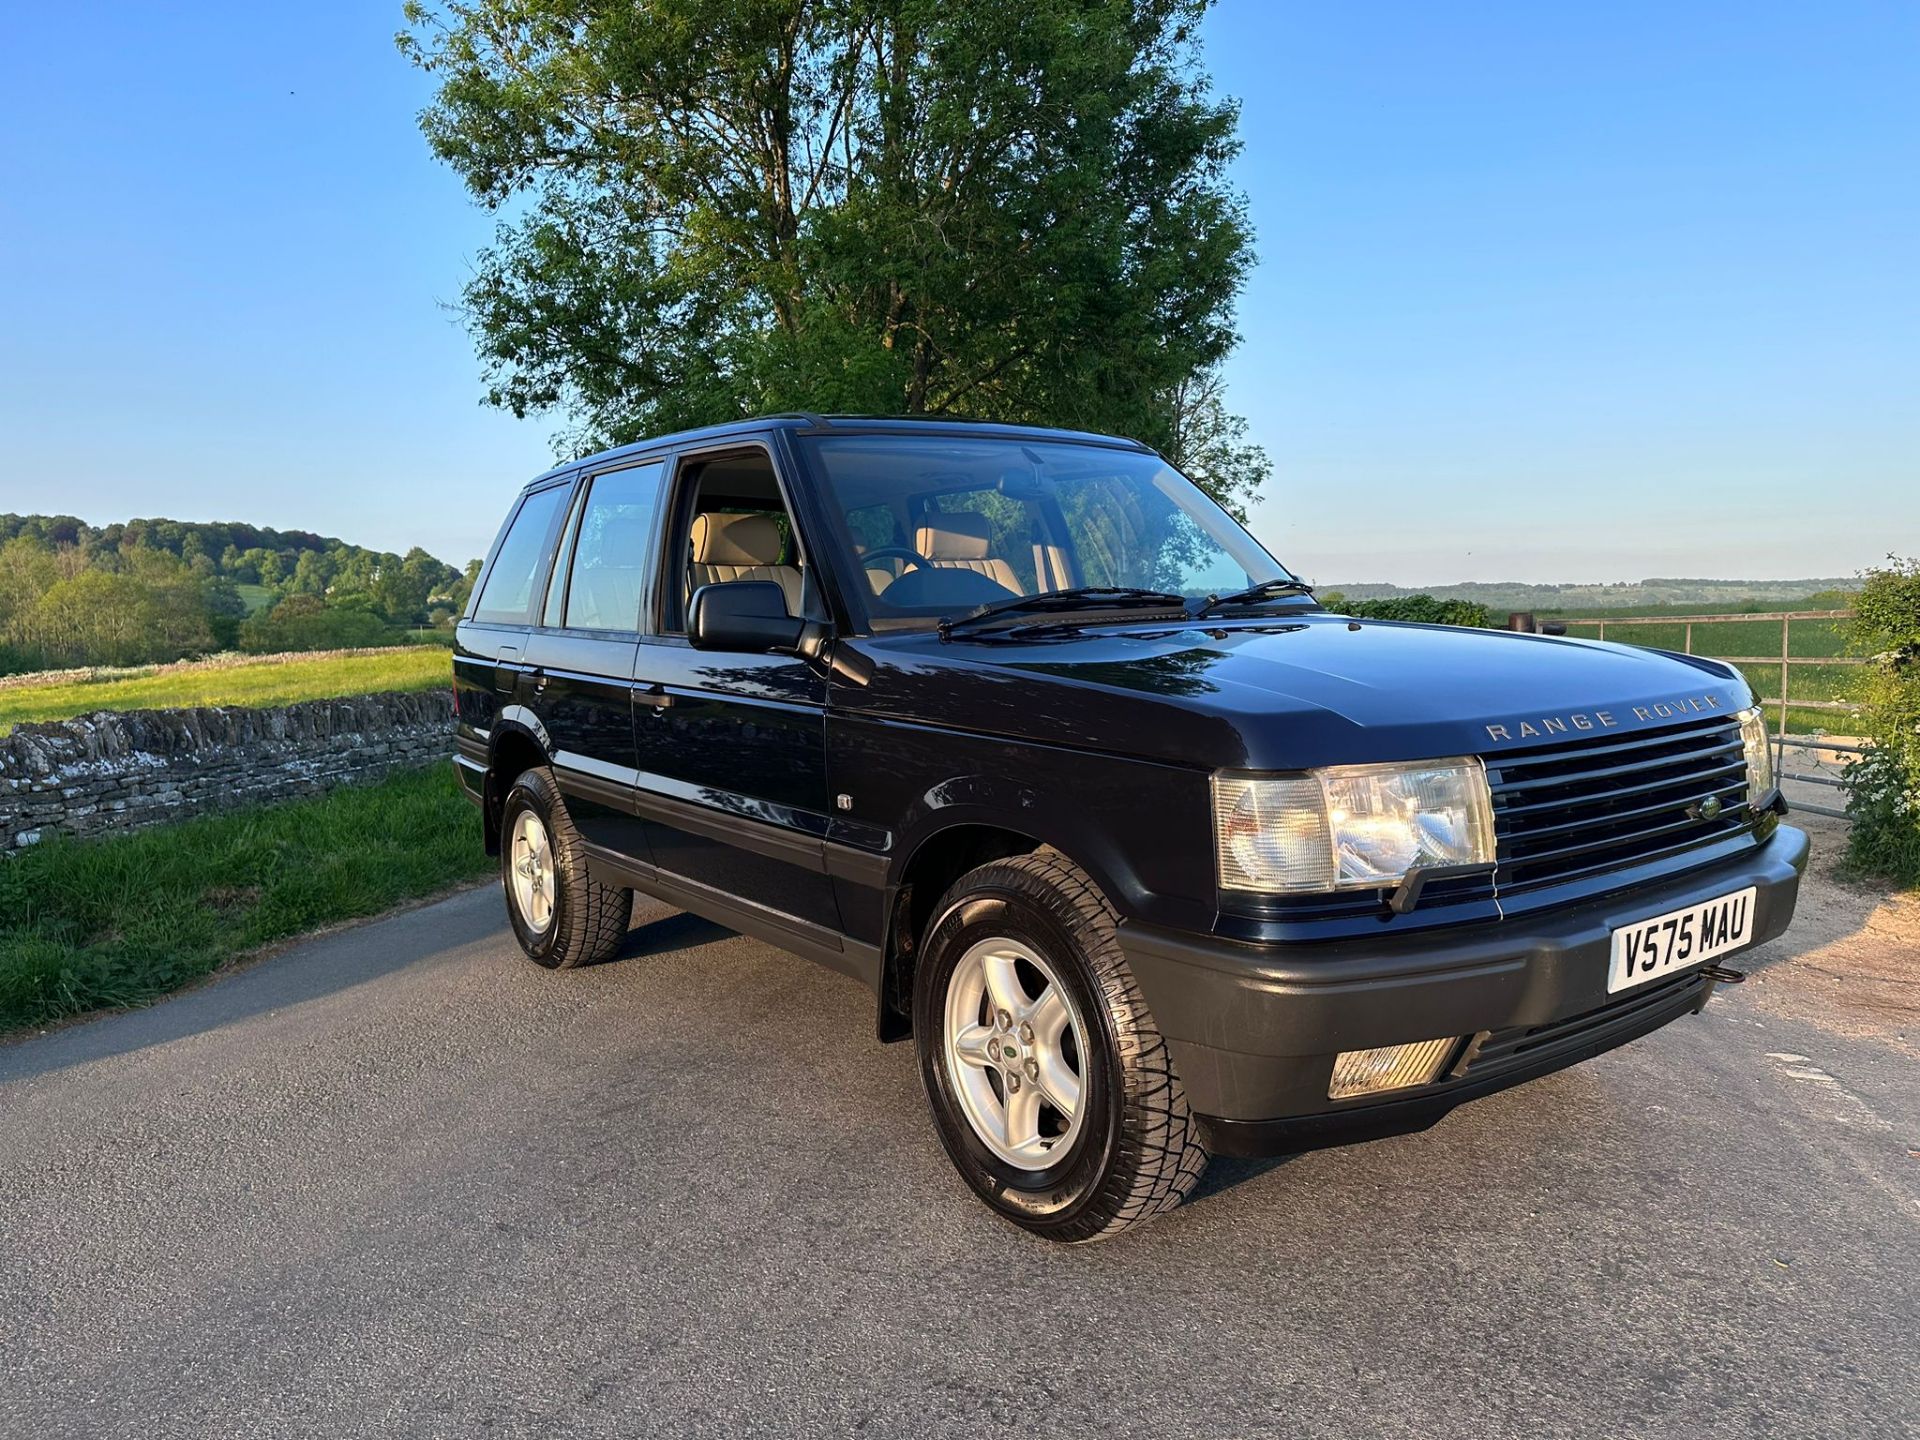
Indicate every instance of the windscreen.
{"type": "Point", "coordinates": [940, 524]}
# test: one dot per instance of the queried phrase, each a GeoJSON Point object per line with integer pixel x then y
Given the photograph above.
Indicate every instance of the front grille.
{"type": "Point", "coordinates": [1611, 801]}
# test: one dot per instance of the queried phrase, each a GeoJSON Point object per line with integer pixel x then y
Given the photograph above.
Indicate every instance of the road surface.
{"type": "Point", "coordinates": [399, 1181]}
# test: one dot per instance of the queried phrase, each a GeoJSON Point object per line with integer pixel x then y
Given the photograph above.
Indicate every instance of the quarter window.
{"type": "Point", "coordinates": [508, 590]}
{"type": "Point", "coordinates": [610, 558]}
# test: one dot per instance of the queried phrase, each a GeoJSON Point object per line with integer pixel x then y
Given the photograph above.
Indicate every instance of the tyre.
{"type": "Point", "coordinates": [1051, 1087]}
{"type": "Point", "coordinates": [561, 915]}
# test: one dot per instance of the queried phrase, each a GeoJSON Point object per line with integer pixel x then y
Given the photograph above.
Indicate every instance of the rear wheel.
{"type": "Point", "coordinates": [561, 915]}
{"type": "Point", "coordinates": [1050, 1084]}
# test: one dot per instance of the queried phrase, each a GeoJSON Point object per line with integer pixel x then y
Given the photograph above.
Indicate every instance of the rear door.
{"type": "Point", "coordinates": [488, 663]}
{"type": "Point", "coordinates": [580, 658]}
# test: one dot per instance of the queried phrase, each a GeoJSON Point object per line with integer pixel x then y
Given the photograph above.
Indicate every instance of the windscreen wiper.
{"type": "Point", "coordinates": [1253, 595]}
{"type": "Point", "coordinates": [1080, 597]}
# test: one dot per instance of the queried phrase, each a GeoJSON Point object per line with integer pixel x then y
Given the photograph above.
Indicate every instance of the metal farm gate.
{"type": "Point", "coordinates": [1786, 660]}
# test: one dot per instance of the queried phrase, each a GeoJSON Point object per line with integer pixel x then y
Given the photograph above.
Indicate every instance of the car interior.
{"type": "Point", "coordinates": [739, 529]}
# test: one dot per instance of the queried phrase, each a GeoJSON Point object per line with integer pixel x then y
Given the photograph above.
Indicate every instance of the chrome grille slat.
{"type": "Point", "coordinates": [1585, 808]}
{"type": "Point", "coordinates": [1559, 805]}
{"type": "Point", "coordinates": [1541, 832]}
{"type": "Point", "coordinates": [1599, 745]}
{"type": "Point", "coordinates": [1681, 761]}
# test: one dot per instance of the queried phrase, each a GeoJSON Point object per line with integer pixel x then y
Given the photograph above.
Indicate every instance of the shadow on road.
{"type": "Point", "coordinates": [678, 931]}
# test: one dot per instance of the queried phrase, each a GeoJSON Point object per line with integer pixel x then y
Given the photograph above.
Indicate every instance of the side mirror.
{"type": "Point", "coordinates": [746, 616]}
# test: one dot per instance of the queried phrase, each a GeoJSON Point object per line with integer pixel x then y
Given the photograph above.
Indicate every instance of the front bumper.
{"type": "Point", "coordinates": [1254, 1030]}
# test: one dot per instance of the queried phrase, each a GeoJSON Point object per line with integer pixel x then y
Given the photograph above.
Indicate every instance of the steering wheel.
{"type": "Point", "coordinates": [915, 560]}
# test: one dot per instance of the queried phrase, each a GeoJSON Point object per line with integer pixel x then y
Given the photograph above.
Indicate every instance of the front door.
{"type": "Point", "coordinates": [731, 749]}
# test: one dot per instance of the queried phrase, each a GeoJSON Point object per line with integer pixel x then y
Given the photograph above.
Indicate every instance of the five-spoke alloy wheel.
{"type": "Point", "coordinates": [1014, 1045]}
{"type": "Point", "coordinates": [530, 871]}
{"type": "Point", "coordinates": [1052, 1090]}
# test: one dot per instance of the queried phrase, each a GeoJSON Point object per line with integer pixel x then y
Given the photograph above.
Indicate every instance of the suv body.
{"type": "Point", "coordinates": [1145, 872]}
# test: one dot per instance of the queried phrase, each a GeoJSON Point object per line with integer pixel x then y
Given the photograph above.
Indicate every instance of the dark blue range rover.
{"type": "Point", "coordinates": [1150, 855]}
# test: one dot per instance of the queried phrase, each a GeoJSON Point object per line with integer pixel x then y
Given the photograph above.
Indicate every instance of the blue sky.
{"type": "Point", "coordinates": [1546, 292]}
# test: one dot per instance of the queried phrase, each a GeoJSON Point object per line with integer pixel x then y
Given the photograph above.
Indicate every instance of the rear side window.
{"type": "Point", "coordinates": [610, 558]}
{"type": "Point", "coordinates": [508, 590]}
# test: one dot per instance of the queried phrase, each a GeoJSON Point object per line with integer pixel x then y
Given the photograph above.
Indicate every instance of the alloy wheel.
{"type": "Point", "coordinates": [531, 867]}
{"type": "Point", "coordinates": [1016, 1050]}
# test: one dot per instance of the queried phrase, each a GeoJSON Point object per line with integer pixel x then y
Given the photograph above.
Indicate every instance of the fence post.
{"type": "Point", "coordinates": [1689, 637]}
{"type": "Point", "coordinates": [1603, 631]}
{"type": "Point", "coordinates": [1786, 663]}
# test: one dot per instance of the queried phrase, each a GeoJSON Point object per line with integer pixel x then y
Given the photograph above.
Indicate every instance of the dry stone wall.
{"type": "Point", "coordinates": [125, 770]}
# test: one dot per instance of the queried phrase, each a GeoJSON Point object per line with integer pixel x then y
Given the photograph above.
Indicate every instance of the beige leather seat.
{"type": "Point", "coordinates": [959, 542]}
{"type": "Point", "coordinates": [880, 573]}
{"type": "Point", "coordinates": [741, 547]}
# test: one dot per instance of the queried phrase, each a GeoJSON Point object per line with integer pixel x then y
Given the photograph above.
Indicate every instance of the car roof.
{"type": "Point", "coordinates": [808, 423]}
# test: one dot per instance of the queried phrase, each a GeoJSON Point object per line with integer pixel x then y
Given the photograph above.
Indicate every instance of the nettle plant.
{"type": "Point", "coordinates": [1883, 787]}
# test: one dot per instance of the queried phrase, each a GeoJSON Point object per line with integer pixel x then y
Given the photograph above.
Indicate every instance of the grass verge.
{"type": "Point", "coordinates": [271, 680]}
{"type": "Point", "coordinates": [121, 920]}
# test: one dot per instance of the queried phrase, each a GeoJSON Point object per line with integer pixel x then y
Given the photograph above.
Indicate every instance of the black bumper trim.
{"type": "Point", "coordinates": [1254, 1030]}
{"type": "Point", "coordinates": [1418, 1110]}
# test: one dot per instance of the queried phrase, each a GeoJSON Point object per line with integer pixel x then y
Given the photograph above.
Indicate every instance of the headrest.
{"type": "Point", "coordinates": [964, 535]}
{"type": "Point", "coordinates": [736, 540]}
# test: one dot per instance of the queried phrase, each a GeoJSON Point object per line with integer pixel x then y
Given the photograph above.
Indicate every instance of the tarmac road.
{"type": "Point", "coordinates": [399, 1181]}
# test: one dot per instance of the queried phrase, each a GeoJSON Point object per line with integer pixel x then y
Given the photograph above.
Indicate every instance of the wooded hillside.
{"type": "Point", "coordinates": [157, 590]}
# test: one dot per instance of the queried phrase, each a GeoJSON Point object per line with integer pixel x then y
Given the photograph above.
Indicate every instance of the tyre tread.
{"type": "Point", "coordinates": [593, 918]}
{"type": "Point", "coordinates": [1161, 1154]}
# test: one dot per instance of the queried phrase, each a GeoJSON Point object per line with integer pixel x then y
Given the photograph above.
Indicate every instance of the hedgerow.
{"type": "Point", "coordinates": [1883, 786]}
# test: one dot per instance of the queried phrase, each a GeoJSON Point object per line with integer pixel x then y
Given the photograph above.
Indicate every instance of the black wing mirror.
{"type": "Point", "coordinates": [750, 617]}
{"type": "Point", "coordinates": [746, 616]}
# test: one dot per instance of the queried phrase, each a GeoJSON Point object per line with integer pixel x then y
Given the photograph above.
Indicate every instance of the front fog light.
{"type": "Point", "coordinates": [1389, 1067]}
{"type": "Point", "coordinates": [1753, 736]}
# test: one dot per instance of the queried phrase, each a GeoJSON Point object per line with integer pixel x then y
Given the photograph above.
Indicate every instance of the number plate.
{"type": "Point", "coordinates": [1648, 949]}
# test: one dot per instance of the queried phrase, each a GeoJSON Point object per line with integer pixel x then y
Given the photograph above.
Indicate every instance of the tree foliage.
{"type": "Point", "coordinates": [1422, 608]}
{"type": "Point", "coordinates": [1883, 788]}
{"type": "Point", "coordinates": [1009, 209]}
{"type": "Point", "coordinates": [153, 590]}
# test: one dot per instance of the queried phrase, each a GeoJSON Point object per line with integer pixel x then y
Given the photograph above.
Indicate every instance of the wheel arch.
{"type": "Point", "coordinates": [964, 838]}
{"type": "Point", "coordinates": [514, 748]}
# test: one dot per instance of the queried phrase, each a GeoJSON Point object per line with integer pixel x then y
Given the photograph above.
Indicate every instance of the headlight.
{"type": "Point", "coordinates": [1350, 827]}
{"type": "Point", "coordinates": [1753, 735]}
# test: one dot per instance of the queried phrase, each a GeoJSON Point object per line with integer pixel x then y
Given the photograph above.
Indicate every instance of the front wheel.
{"type": "Point", "coordinates": [1050, 1084]}
{"type": "Point", "coordinates": [561, 915]}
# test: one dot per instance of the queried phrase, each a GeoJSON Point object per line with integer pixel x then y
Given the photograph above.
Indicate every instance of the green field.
{"type": "Point", "coordinates": [1808, 639]}
{"type": "Point", "coordinates": [255, 597]}
{"type": "Point", "coordinates": [121, 920]}
{"type": "Point", "coordinates": [267, 680]}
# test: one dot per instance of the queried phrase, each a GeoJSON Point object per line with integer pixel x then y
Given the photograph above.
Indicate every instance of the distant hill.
{"type": "Point", "coordinates": [1710, 595]}
{"type": "Point", "coordinates": [141, 592]}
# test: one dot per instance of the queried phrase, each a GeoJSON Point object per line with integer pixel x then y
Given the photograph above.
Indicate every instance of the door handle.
{"type": "Point", "coordinates": [654, 696]}
{"type": "Point", "coordinates": [505, 667]}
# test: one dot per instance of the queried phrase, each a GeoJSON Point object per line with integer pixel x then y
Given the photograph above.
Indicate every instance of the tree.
{"type": "Point", "coordinates": [309, 574]}
{"type": "Point", "coordinates": [306, 622]}
{"type": "Point", "coordinates": [1010, 209]}
{"type": "Point", "coordinates": [1209, 444]}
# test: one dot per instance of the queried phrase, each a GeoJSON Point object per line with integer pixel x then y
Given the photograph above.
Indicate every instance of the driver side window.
{"type": "Point", "coordinates": [735, 526]}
